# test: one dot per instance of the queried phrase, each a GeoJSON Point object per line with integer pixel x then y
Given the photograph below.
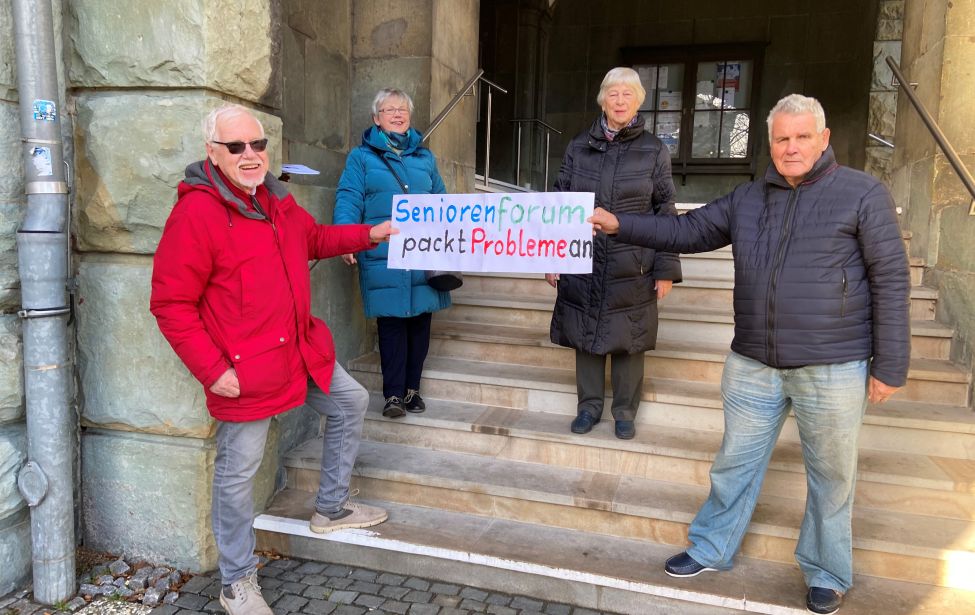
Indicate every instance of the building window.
{"type": "Point", "coordinates": [701, 104]}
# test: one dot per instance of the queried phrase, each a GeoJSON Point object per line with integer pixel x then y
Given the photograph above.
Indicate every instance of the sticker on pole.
{"type": "Point", "coordinates": [45, 110]}
{"type": "Point", "coordinates": [40, 157]}
{"type": "Point", "coordinates": [540, 232]}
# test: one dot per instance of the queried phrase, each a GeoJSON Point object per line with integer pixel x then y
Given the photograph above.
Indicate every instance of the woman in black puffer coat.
{"type": "Point", "coordinates": [613, 311]}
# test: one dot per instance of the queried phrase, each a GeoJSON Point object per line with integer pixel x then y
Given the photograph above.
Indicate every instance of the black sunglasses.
{"type": "Point", "coordinates": [238, 147]}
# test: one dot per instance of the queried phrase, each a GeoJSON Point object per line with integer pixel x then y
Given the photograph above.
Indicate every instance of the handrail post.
{"type": "Point", "coordinates": [487, 140]}
{"type": "Point", "coordinates": [935, 130]}
{"type": "Point", "coordinates": [548, 142]}
{"type": "Point", "coordinates": [518, 158]}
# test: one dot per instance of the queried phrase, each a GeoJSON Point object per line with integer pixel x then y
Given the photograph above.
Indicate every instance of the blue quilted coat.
{"type": "Point", "coordinates": [365, 195]}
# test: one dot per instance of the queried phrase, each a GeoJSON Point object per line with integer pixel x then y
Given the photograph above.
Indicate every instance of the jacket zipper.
{"type": "Point", "coordinates": [843, 305]}
{"type": "Point", "coordinates": [777, 264]}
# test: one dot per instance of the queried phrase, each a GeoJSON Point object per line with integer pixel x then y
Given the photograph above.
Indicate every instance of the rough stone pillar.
{"type": "Point", "coordinates": [144, 76]}
{"type": "Point", "coordinates": [427, 48]}
{"type": "Point", "coordinates": [939, 55]}
{"type": "Point", "coordinates": [882, 115]}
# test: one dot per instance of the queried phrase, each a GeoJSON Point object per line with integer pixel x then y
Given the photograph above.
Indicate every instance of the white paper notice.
{"type": "Point", "coordinates": [522, 232]}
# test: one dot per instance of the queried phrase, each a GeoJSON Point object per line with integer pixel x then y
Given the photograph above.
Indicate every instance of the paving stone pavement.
{"type": "Point", "coordinates": [293, 586]}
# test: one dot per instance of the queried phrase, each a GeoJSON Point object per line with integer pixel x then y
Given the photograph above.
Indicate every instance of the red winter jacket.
{"type": "Point", "coordinates": [230, 288]}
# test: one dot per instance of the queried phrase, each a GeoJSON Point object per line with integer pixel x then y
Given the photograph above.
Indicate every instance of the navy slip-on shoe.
{"type": "Point", "coordinates": [625, 430]}
{"type": "Point", "coordinates": [583, 423]}
{"type": "Point", "coordinates": [683, 565]}
{"type": "Point", "coordinates": [823, 600]}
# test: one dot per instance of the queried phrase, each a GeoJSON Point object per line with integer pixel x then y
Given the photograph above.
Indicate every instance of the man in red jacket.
{"type": "Point", "coordinates": [232, 295]}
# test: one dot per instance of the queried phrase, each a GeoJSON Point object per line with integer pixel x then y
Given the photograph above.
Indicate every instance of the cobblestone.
{"type": "Point", "coordinates": [295, 587]}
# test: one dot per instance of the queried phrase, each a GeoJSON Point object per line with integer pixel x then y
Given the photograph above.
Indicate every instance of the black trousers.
{"type": "Point", "coordinates": [627, 379]}
{"type": "Point", "coordinates": [403, 346]}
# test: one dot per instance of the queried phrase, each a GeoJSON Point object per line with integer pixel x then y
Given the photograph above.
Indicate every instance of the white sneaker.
{"type": "Point", "coordinates": [358, 515]}
{"type": "Point", "coordinates": [246, 598]}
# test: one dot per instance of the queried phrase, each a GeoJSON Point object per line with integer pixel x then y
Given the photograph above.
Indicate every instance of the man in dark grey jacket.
{"type": "Point", "coordinates": [822, 325]}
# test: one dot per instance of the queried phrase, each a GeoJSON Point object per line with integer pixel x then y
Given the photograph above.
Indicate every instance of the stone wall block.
{"type": "Point", "coordinates": [327, 22]}
{"type": "Point", "coordinates": [293, 97]}
{"type": "Point", "coordinates": [957, 250]}
{"type": "Point", "coordinates": [15, 551]}
{"type": "Point", "coordinates": [11, 215]}
{"type": "Point", "coordinates": [890, 29]}
{"type": "Point", "coordinates": [13, 455]}
{"type": "Point", "coordinates": [883, 114]}
{"type": "Point", "coordinates": [326, 98]}
{"type": "Point", "coordinates": [8, 58]}
{"type": "Point", "coordinates": [891, 9]}
{"type": "Point", "coordinates": [243, 49]}
{"type": "Point", "coordinates": [11, 369]}
{"type": "Point", "coordinates": [878, 162]}
{"type": "Point", "coordinates": [882, 75]}
{"type": "Point", "coordinates": [455, 32]}
{"type": "Point", "coordinates": [955, 110]}
{"type": "Point", "coordinates": [128, 168]}
{"type": "Point", "coordinates": [136, 44]}
{"type": "Point", "coordinates": [392, 28]}
{"type": "Point", "coordinates": [180, 44]}
{"type": "Point", "coordinates": [948, 189]}
{"type": "Point", "coordinates": [11, 153]}
{"type": "Point", "coordinates": [148, 497]}
{"type": "Point", "coordinates": [959, 19]}
{"type": "Point", "coordinates": [131, 377]}
{"type": "Point", "coordinates": [455, 139]}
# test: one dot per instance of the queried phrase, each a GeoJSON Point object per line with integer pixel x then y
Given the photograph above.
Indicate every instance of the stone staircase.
{"type": "Point", "coordinates": [489, 488]}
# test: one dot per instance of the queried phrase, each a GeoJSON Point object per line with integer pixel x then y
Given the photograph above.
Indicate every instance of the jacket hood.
{"type": "Point", "coordinates": [203, 175]}
{"type": "Point", "coordinates": [824, 166]}
{"type": "Point", "coordinates": [598, 140]}
{"type": "Point", "coordinates": [373, 137]}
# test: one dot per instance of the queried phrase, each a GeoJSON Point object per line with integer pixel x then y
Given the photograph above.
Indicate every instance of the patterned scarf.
{"type": "Point", "coordinates": [609, 132]}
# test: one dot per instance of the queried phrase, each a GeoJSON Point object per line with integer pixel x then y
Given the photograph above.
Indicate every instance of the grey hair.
{"type": "Point", "coordinates": [795, 104]}
{"type": "Point", "coordinates": [211, 119]}
{"type": "Point", "coordinates": [386, 93]}
{"type": "Point", "coordinates": [622, 75]}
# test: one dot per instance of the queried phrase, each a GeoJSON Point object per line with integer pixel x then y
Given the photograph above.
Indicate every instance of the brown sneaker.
{"type": "Point", "coordinates": [355, 514]}
{"type": "Point", "coordinates": [244, 598]}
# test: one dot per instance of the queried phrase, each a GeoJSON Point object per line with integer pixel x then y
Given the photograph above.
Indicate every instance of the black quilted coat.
{"type": "Point", "coordinates": [615, 309]}
{"type": "Point", "coordinates": [821, 273]}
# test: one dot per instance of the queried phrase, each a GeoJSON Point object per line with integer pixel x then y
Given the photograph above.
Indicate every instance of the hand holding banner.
{"type": "Point", "coordinates": [524, 232]}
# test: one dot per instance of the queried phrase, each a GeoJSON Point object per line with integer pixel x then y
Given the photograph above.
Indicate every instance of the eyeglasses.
{"type": "Point", "coordinates": [238, 147]}
{"type": "Point", "coordinates": [395, 110]}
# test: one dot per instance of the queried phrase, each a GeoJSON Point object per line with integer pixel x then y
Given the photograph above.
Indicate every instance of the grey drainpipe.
{"type": "Point", "coordinates": [46, 480]}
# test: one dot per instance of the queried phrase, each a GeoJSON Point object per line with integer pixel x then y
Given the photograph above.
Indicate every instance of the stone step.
{"type": "Point", "coordinates": [691, 360]}
{"type": "Point", "coordinates": [921, 427]}
{"type": "Point", "coordinates": [594, 571]}
{"type": "Point", "coordinates": [633, 507]}
{"type": "Point", "coordinates": [534, 304]}
{"type": "Point", "coordinates": [686, 352]}
{"type": "Point", "coordinates": [902, 482]}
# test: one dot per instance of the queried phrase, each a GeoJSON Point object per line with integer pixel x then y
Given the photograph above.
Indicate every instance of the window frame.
{"type": "Point", "coordinates": [691, 57]}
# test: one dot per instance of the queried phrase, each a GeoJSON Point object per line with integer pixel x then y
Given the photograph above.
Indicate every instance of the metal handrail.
{"type": "Point", "coordinates": [549, 129]}
{"type": "Point", "coordinates": [935, 130]}
{"type": "Point", "coordinates": [478, 77]}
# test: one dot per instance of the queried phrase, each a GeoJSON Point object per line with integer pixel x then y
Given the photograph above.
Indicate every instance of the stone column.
{"type": "Point", "coordinates": [427, 48]}
{"type": "Point", "coordinates": [883, 95]}
{"type": "Point", "coordinates": [939, 55]}
{"type": "Point", "coordinates": [143, 77]}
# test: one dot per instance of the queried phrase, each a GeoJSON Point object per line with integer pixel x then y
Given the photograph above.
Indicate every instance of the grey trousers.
{"type": "Point", "coordinates": [627, 379]}
{"type": "Point", "coordinates": [240, 449]}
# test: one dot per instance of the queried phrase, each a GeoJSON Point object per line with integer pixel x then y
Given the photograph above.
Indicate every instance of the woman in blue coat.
{"type": "Point", "coordinates": [391, 161]}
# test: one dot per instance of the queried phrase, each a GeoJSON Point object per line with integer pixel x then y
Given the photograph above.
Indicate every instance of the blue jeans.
{"type": "Point", "coordinates": [240, 449]}
{"type": "Point", "coordinates": [828, 402]}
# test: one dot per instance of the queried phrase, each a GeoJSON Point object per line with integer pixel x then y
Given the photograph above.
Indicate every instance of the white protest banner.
{"type": "Point", "coordinates": [523, 232]}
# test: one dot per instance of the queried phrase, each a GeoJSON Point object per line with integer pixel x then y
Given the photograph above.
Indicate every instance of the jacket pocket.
{"type": "Point", "coordinates": [261, 364]}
